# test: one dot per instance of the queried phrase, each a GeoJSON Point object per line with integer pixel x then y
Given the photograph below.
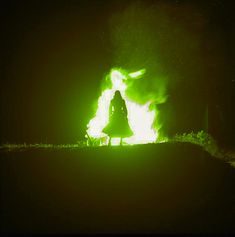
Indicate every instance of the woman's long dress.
{"type": "Point", "coordinates": [118, 125]}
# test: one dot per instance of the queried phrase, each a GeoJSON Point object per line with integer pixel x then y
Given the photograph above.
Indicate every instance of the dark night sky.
{"type": "Point", "coordinates": [55, 54]}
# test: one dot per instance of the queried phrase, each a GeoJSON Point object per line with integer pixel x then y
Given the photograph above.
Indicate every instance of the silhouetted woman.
{"type": "Point", "coordinates": [118, 125]}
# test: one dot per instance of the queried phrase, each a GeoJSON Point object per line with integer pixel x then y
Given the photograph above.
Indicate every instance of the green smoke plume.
{"type": "Point", "coordinates": [133, 35]}
{"type": "Point", "coordinates": [165, 38]}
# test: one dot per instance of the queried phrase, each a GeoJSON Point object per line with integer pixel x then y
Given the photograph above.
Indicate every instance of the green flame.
{"type": "Point", "coordinates": [140, 117]}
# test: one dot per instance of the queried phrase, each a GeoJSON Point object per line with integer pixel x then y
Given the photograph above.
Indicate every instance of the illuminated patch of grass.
{"type": "Point", "coordinates": [11, 147]}
{"type": "Point", "coordinates": [203, 139]}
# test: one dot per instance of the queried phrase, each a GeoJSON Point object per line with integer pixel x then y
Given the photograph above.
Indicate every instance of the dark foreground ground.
{"type": "Point", "coordinates": [161, 188]}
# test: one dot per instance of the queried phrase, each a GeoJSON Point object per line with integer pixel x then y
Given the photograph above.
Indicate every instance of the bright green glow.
{"type": "Point", "coordinates": [117, 80]}
{"type": "Point", "coordinates": [115, 141]}
{"type": "Point", "coordinates": [137, 74]}
{"type": "Point", "coordinates": [140, 117]}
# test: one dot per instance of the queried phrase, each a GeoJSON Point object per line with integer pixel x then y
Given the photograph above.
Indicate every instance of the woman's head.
{"type": "Point", "coordinates": [117, 95]}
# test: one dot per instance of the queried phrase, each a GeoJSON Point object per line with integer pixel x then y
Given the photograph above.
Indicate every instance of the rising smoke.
{"type": "Point", "coordinates": [165, 38]}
